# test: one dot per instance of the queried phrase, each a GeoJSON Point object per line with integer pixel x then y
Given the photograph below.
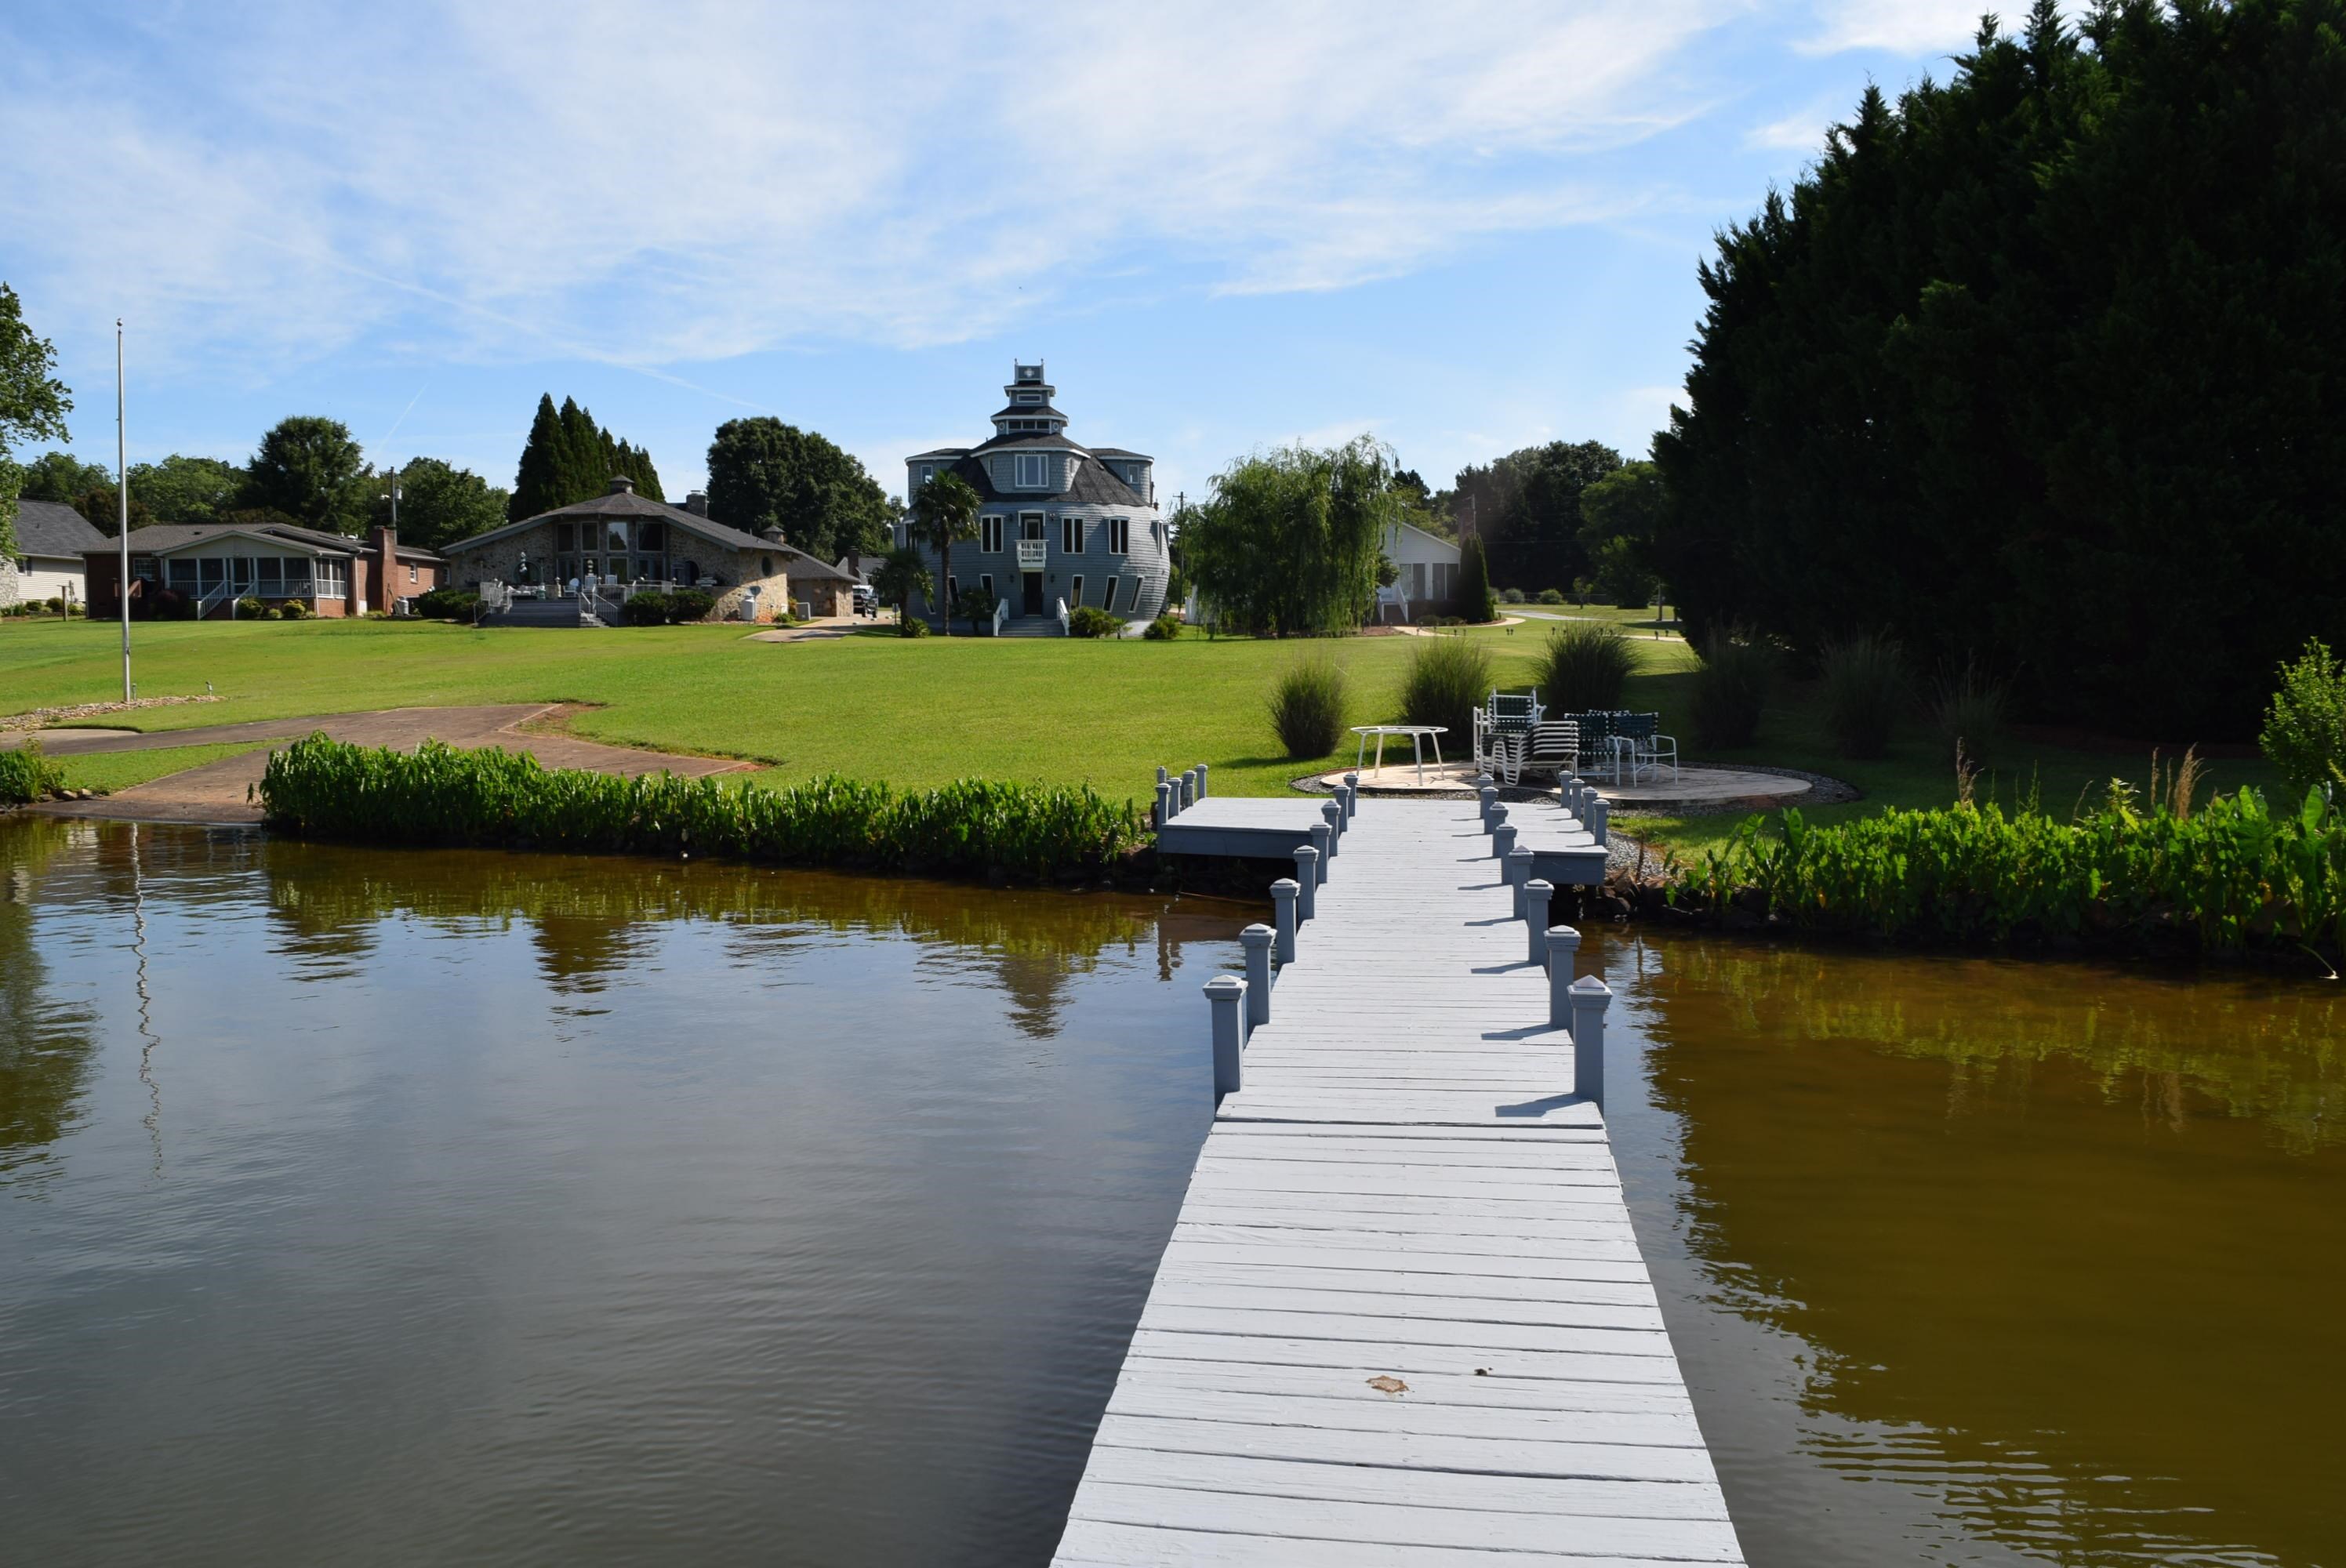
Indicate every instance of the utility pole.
{"type": "Point", "coordinates": [122, 497]}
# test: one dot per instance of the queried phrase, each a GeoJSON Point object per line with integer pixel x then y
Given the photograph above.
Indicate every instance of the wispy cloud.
{"type": "Point", "coordinates": [1896, 27]}
{"type": "Point", "coordinates": [654, 187]}
{"type": "Point", "coordinates": [1803, 131]}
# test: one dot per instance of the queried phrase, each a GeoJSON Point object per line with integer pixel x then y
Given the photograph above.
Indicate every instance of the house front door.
{"type": "Point", "coordinates": [1033, 585]}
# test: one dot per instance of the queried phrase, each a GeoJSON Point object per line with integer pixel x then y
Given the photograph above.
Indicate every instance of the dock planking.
{"type": "Point", "coordinates": [1402, 1317]}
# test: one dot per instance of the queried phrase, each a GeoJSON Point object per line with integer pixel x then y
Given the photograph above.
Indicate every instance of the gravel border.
{"type": "Point", "coordinates": [43, 717]}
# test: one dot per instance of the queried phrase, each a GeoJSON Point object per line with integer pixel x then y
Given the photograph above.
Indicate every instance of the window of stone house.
{"type": "Point", "coordinates": [615, 539]}
{"type": "Point", "coordinates": [651, 537]}
{"type": "Point", "coordinates": [565, 536]}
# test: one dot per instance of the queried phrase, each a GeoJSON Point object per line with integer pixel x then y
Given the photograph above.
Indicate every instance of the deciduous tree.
{"type": "Point", "coordinates": [764, 474]}
{"type": "Point", "coordinates": [1289, 541]}
{"type": "Point", "coordinates": [33, 402]}
{"type": "Point", "coordinates": [309, 468]}
{"type": "Point", "coordinates": [187, 489]}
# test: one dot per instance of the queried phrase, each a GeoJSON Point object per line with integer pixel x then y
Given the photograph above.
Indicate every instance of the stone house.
{"type": "Point", "coordinates": [620, 540]}
{"type": "Point", "coordinates": [1059, 525]}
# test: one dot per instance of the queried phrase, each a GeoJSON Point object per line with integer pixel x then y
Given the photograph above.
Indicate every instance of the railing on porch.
{"type": "Point", "coordinates": [1031, 553]}
{"type": "Point", "coordinates": [1001, 614]}
{"type": "Point", "coordinates": [1063, 617]}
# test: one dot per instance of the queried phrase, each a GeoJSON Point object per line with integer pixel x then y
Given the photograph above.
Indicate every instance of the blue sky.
{"type": "Point", "coordinates": [1464, 228]}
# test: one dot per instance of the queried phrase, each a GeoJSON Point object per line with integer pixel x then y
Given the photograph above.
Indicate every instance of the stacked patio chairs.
{"type": "Point", "coordinates": [1503, 731]}
{"type": "Point", "coordinates": [1554, 748]}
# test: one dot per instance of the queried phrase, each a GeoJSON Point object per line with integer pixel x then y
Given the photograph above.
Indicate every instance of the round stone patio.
{"type": "Point", "coordinates": [1693, 786]}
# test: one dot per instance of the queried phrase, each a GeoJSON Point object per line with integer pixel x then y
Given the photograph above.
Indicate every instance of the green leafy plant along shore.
{"type": "Point", "coordinates": [442, 795]}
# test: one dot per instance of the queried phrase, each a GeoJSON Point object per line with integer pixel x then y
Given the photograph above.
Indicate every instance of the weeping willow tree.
{"type": "Point", "coordinates": [1288, 544]}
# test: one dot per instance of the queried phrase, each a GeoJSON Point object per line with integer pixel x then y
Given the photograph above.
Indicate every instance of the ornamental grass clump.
{"type": "Point", "coordinates": [1968, 708]}
{"type": "Point", "coordinates": [2230, 876]}
{"type": "Point", "coordinates": [1307, 706]}
{"type": "Point", "coordinates": [1863, 687]}
{"type": "Point", "coordinates": [1447, 679]}
{"type": "Point", "coordinates": [1585, 668]}
{"type": "Point", "coordinates": [1731, 689]}
{"type": "Point", "coordinates": [320, 788]}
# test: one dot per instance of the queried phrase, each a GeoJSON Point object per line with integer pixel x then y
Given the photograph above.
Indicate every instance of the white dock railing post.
{"type": "Point", "coordinates": [1503, 839]}
{"type": "Point", "coordinates": [1324, 846]}
{"type": "Point", "coordinates": [1537, 894]}
{"type": "Point", "coordinates": [1201, 780]}
{"type": "Point", "coordinates": [1518, 865]}
{"type": "Point", "coordinates": [1590, 998]}
{"type": "Point", "coordinates": [1189, 788]}
{"type": "Point", "coordinates": [1164, 803]}
{"type": "Point", "coordinates": [1351, 796]}
{"type": "Point", "coordinates": [1563, 943]}
{"type": "Point", "coordinates": [1334, 813]}
{"type": "Point", "coordinates": [1227, 995]}
{"type": "Point", "coordinates": [1283, 893]}
{"type": "Point", "coordinates": [1307, 882]}
{"type": "Point", "coordinates": [1599, 810]}
{"type": "Point", "coordinates": [1489, 795]}
{"type": "Point", "coordinates": [1257, 940]}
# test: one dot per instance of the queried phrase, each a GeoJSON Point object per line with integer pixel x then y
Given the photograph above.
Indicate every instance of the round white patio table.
{"type": "Point", "coordinates": [1418, 735]}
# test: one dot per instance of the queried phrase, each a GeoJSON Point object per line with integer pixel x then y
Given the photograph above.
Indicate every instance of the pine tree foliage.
{"type": "Point", "coordinates": [2044, 362]}
{"type": "Point", "coordinates": [569, 458]}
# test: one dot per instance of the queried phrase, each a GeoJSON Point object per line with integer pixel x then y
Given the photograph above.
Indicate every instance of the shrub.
{"type": "Point", "coordinates": [439, 794]}
{"type": "Point", "coordinates": [1091, 621]}
{"type": "Point", "coordinates": [1731, 689]}
{"type": "Point", "coordinates": [911, 627]}
{"type": "Point", "coordinates": [26, 776]}
{"type": "Point", "coordinates": [1865, 685]}
{"type": "Point", "coordinates": [646, 610]}
{"type": "Point", "coordinates": [293, 610]}
{"type": "Point", "coordinates": [1967, 707]}
{"type": "Point", "coordinates": [55, 603]}
{"type": "Point", "coordinates": [1446, 681]}
{"type": "Point", "coordinates": [1551, 596]}
{"type": "Point", "coordinates": [249, 608]}
{"type": "Point", "coordinates": [448, 605]}
{"type": "Point", "coordinates": [689, 605]}
{"type": "Point", "coordinates": [1584, 666]}
{"type": "Point", "coordinates": [1307, 706]}
{"type": "Point", "coordinates": [2305, 723]}
{"type": "Point", "coordinates": [1164, 628]}
{"type": "Point", "coordinates": [1511, 596]}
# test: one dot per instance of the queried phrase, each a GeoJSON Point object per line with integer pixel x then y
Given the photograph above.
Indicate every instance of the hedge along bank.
{"type": "Point", "coordinates": [2230, 878]}
{"type": "Point", "coordinates": [442, 795]}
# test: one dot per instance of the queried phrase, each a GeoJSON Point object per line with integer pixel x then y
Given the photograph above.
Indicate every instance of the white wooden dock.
{"type": "Point", "coordinates": [1402, 1317]}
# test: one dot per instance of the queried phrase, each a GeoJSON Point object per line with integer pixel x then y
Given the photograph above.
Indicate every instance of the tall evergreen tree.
{"type": "Point", "coordinates": [569, 458]}
{"type": "Point", "coordinates": [2042, 362]}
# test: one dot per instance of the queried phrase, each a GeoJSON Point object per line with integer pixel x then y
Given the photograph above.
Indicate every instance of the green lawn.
{"type": "Point", "coordinates": [109, 771]}
{"type": "Point", "coordinates": [917, 712]}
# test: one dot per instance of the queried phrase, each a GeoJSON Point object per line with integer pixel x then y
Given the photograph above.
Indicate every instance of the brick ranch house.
{"type": "Point", "coordinates": [621, 540]}
{"type": "Point", "coordinates": [212, 564]}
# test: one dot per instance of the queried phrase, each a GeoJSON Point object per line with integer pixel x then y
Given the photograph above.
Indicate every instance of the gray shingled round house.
{"type": "Point", "coordinates": [1060, 525]}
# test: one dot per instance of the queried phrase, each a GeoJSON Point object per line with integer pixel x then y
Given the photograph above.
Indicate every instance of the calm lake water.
{"type": "Point", "coordinates": [381, 1208]}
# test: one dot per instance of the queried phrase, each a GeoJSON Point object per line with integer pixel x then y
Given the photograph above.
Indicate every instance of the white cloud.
{"type": "Point", "coordinates": [606, 181]}
{"type": "Point", "coordinates": [1803, 131]}
{"type": "Point", "coordinates": [1898, 26]}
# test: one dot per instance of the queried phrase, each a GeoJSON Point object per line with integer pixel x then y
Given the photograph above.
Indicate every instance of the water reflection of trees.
{"type": "Point", "coordinates": [590, 918]}
{"type": "Point", "coordinates": [47, 1047]}
{"type": "Point", "coordinates": [2062, 1241]}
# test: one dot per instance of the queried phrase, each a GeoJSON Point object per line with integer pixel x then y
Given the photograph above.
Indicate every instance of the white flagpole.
{"type": "Point", "coordinates": [122, 495]}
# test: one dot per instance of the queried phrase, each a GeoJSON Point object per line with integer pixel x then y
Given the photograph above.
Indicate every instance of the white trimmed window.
{"type": "Point", "coordinates": [1107, 599]}
{"type": "Point", "coordinates": [1119, 535]}
{"type": "Point", "coordinates": [923, 474]}
{"type": "Point", "coordinates": [1032, 471]}
{"type": "Point", "coordinates": [1030, 397]}
{"type": "Point", "coordinates": [985, 581]}
{"type": "Point", "coordinates": [989, 533]}
{"type": "Point", "coordinates": [1076, 590]}
{"type": "Point", "coordinates": [952, 592]}
{"type": "Point", "coordinates": [1071, 535]}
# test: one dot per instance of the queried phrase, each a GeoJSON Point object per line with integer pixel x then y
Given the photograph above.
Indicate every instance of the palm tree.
{"type": "Point", "coordinates": [898, 578]}
{"type": "Point", "coordinates": [944, 512]}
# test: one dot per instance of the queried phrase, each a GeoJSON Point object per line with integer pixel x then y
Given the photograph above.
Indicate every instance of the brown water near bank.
{"type": "Point", "coordinates": [1980, 1260]}
{"type": "Point", "coordinates": [381, 1208]}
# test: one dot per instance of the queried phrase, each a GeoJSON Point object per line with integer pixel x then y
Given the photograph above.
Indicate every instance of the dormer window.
{"type": "Point", "coordinates": [926, 472]}
{"type": "Point", "coordinates": [1031, 473]}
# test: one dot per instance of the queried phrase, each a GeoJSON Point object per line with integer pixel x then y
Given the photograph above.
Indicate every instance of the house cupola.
{"type": "Point", "coordinates": [1026, 404]}
{"type": "Point", "coordinates": [622, 485]}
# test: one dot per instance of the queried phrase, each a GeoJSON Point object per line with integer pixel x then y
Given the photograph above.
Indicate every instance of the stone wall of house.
{"type": "Point", "coordinates": [773, 592]}
{"type": "Point", "coordinates": [500, 560]}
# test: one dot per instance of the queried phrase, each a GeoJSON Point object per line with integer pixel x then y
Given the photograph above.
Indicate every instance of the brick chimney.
{"type": "Point", "coordinates": [386, 566]}
{"type": "Point", "coordinates": [697, 502]}
{"type": "Point", "coordinates": [622, 485]}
